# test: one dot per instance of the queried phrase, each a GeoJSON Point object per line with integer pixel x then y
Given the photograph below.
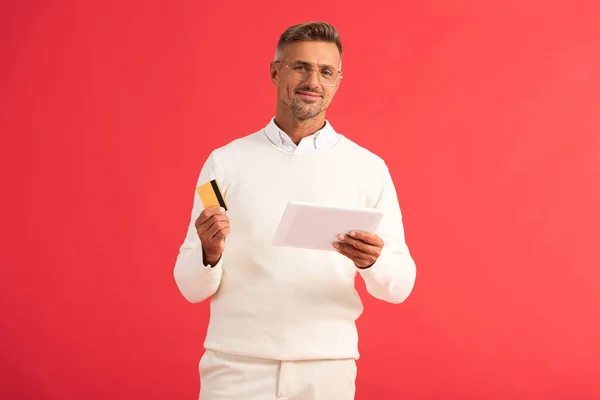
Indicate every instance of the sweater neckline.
{"type": "Point", "coordinates": [341, 142]}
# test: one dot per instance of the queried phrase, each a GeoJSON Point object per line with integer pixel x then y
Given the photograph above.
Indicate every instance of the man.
{"type": "Point", "coordinates": [282, 322]}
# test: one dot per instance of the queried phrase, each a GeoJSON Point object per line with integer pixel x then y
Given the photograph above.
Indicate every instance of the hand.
{"type": "Point", "coordinates": [361, 247]}
{"type": "Point", "coordinates": [212, 226]}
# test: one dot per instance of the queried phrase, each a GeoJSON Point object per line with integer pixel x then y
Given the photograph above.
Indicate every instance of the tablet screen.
{"type": "Point", "coordinates": [316, 226]}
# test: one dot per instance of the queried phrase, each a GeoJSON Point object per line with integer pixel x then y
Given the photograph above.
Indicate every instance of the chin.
{"type": "Point", "coordinates": [303, 111]}
{"type": "Point", "coordinates": [307, 116]}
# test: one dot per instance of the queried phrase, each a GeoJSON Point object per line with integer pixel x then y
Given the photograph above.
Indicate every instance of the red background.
{"type": "Point", "coordinates": [487, 113]}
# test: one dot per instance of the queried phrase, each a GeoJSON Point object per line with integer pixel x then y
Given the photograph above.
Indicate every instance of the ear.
{"type": "Point", "coordinates": [274, 73]}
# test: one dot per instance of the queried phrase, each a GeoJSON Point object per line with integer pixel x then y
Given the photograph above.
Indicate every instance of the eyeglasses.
{"type": "Point", "coordinates": [301, 71]}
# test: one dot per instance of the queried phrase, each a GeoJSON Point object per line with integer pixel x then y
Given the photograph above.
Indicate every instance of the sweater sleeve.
{"type": "Point", "coordinates": [392, 277]}
{"type": "Point", "coordinates": [195, 281]}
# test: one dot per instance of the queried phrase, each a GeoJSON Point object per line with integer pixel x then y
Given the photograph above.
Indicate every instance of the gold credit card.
{"type": "Point", "coordinates": [211, 196]}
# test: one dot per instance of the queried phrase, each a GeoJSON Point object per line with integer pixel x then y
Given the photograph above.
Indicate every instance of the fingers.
{"type": "Point", "coordinates": [217, 226]}
{"type": "Point", "coordinates": [212, 226]}
{"type": "Point", "coordinates": [367, 238]}
{"type": "Point", "coordinates": [208, 216]}
{"type": "Point", "coordinates": [363, 252]}
{"type": "Point", "coordinates": [222, 234]}
{"type": "Point", "coordinates": [360, 245]}
{"type": "Point", "coordinates": [351, 251]}
{"type": "Point", "coordinates": [360, 259]}
{"type": "Point", "coordinates": [208, 213]}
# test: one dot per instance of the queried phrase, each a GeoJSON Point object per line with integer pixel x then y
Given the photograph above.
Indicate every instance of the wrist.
{"type": "Point", "coordinates": [368, 266]}
{"type": "Point", "coordinates": [209, 258]}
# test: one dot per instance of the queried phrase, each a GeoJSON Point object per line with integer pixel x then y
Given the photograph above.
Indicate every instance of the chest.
{"type": "Point", "coordinates": [257, 194]}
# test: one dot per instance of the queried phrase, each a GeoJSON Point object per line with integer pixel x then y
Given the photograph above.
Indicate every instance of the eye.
{"type": "Point", "coordinates": [299, 68]}
{"type": "Point", "coordinates": [327, 73]}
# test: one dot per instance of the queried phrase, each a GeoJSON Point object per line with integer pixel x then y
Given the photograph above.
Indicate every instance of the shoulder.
{"type": "Point", "coordinates": [239, 146]}
{"type": "Point", "coordinates": [361, 153]}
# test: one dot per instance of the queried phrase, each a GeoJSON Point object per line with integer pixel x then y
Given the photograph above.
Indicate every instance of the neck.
{"type": "Point", "coordinates": [299, 129]}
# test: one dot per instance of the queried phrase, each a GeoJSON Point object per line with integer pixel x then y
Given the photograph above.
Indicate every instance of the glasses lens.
{"type": "Point", "coordinates": [329, 79]}
{"type": "Point", "coordinates": [327, 76]}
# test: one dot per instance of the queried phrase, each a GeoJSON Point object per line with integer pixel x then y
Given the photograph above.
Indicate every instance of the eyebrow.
{"type": "Point", "coordinates": [307, 63]}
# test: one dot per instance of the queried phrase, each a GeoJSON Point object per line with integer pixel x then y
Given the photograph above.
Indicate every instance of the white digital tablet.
{"type": "Point", "coordinates": [316, 226]}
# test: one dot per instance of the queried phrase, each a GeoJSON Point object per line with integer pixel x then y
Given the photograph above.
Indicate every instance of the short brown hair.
{"type": "Point", "coordinates": [310, 31]}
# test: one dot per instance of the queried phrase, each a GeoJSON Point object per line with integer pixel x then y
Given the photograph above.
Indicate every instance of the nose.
{"type": "Point", "coordinates": [313, 80]}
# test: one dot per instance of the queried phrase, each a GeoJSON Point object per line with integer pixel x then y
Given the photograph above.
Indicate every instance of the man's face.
{"type": "Point", "coordinates": [306, 98]}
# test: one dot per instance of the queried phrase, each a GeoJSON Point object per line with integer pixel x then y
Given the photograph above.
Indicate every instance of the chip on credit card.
{"type": "Point", "coordinates": [210, 194]}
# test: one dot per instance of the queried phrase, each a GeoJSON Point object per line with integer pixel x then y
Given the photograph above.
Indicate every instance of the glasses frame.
{"type": "Point", "coordinates": [338, 74]}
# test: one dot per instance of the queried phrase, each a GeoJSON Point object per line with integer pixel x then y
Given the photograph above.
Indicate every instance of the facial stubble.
{"type": "Point", "coordinates": [303, 111]}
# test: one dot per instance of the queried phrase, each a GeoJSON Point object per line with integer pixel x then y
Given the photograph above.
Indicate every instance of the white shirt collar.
{"type": "Point", "coordinates": [325, 138]}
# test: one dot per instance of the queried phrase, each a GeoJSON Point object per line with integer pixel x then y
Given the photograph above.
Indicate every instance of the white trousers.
{"type": "Point", "coordinates": [230, 377]}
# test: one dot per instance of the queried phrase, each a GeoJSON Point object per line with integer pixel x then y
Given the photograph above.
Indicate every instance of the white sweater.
{"type": "Point", "coordinates": [286, 303]}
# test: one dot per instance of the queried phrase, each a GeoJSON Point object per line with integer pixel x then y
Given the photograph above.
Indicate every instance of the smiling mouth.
{"type": "Point", "coordinates": [308, 95]}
